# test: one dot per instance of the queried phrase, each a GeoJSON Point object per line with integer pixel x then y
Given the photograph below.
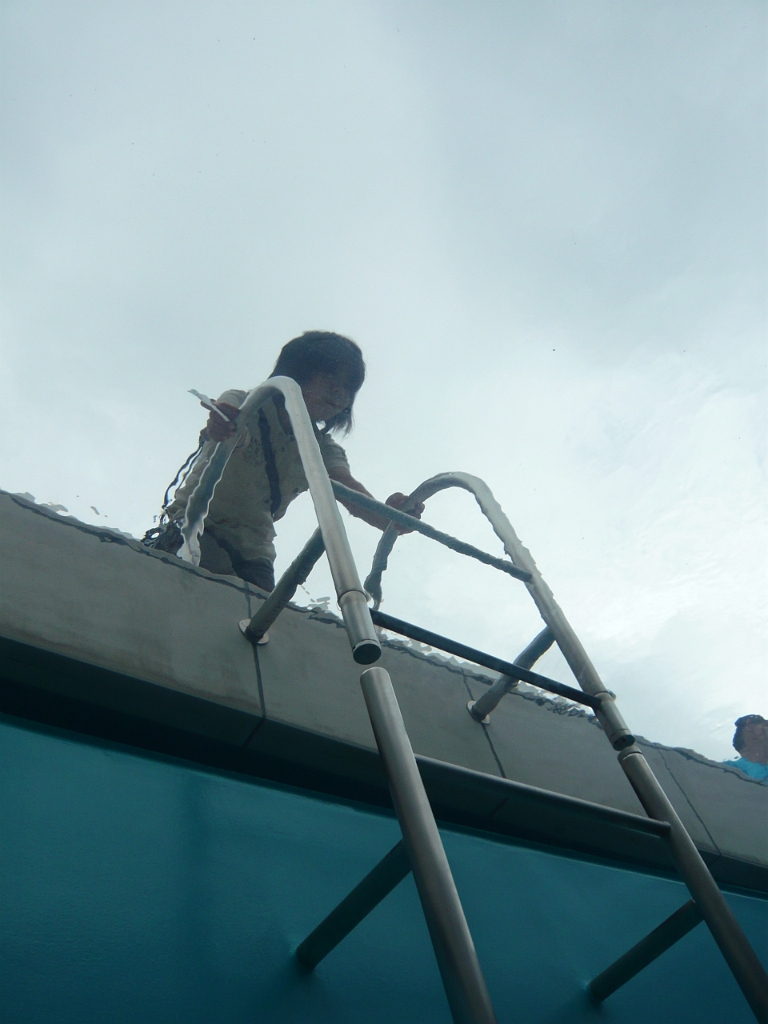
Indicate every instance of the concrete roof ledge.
{"type": "Point", "coordinates": [145, 635]}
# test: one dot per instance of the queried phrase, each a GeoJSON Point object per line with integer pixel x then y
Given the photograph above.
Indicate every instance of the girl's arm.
{"type": "Point", "coordinates": [396, 500]}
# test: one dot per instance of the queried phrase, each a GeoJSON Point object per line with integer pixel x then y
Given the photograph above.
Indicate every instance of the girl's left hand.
{"type": "Point", "coordinates": [397, 500]}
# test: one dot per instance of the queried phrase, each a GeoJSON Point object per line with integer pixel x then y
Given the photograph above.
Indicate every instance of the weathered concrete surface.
{"type": "Point", "coordinates": [720, 797]}
{"type": "Point", "coordinates": [310, 680]}
{"type": "Point", "coordinates": [682, 804]}
{"type": "Point", "coordinates": [90, 595]}
{"type": "Point", "coordinates": [165, 628]}
{"type": "Point", "coordinates": [540, 747]}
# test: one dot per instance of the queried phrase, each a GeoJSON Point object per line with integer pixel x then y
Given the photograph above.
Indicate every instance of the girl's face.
{"type": "Point", "coordinates": [326, 396]}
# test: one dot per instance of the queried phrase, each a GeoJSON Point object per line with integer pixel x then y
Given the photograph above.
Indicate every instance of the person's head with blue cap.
{"type": "Point", "coordinates": [751, 738]}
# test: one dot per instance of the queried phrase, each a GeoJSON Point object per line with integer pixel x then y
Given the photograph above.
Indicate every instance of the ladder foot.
{"type": "Point", "coordinates": [482, 721]}
{"type": "Point", "coordinates": [244, 624]}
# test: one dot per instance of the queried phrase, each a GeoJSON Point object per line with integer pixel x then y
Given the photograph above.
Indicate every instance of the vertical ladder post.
{"type": "Point", "coordinates": [462, 976]}
{"type": "Point", "coordinates": [714, 909]}
{"type": "Point", "coordinates": [725, 929]}
{"type": "Point", "coordinates": [720, 919]}
{"type": "Point", "coordinates": [353, 601]}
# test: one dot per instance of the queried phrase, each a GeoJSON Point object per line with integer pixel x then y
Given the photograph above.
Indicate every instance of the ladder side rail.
{"type": "Point", "coordinates": [570, 645]}
{"type": "Point", "coordinates": [738, 953]}
{"type": "Point", "coordinates": [722, 923]}
{"type": "Point", "coordinates": [720, 919]}
{"type": "Point", "coordinates": [460, 969]}
{"type": "Point", "coordinates": [349, 591]}
{"type": "Point", "coordinates": [465, 986]}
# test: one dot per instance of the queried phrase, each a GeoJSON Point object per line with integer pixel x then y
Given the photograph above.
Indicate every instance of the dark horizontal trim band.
{"type": "Point", "coordinates": [519, 791]}
{"type": "Point", "coordinates": [44, 689]}
{"type": "Point", "coordinates": [443, 643]}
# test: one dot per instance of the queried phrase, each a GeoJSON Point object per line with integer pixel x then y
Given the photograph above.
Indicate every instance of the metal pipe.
{"type": "Point", "coordinates": [349, 591]}
{"type": "Point", "coordinates": [573, 651]}
{"type": "Point", "coordinates": [292, 578]}
{"type": "Point", "coordinates": [394, 867]}
{"type": "Point", "coordinates": [411, 523]}
{"type": "Point", "coordinates": [377, 884]}
{"type": "Point", "coordinates": [481, 709]}
{"type": "Point", "coordinates": [462, 976]}
{"type": "Point", "coordinates": [443, 643]}
{"type": "Point", "coordinates": [646, 951]}
{"type": "Point", "coordinates": [488, 506]}
{"type": "Point", "coordinates": [737, 951]}
{"type": "Point", "coordinates": [726, 931]}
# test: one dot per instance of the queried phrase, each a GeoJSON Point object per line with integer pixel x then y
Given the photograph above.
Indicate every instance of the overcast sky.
{"type": "Point", "coordinates": [544, 223]}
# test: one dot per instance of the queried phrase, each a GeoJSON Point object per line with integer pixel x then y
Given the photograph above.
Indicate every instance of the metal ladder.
{"type": "Point", "coordinates": [421, 849]}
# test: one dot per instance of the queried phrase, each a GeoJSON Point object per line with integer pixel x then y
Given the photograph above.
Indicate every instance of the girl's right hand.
{"type": "Point", "coordinates": [218, 429]}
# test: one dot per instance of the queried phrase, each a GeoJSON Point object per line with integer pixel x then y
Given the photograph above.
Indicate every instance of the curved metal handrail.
{"type": "Point", "coordinates": [352, 598]}
{"type": "Point", "coordinates": [567, 641]}
{"type": "Point", "coordinates": [466, 991]}
{"type": "Point", "coordinates": [423, 492]}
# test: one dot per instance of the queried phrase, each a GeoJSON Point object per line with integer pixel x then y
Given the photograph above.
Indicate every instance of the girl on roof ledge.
{"type": "Point", "coordinates": [264, 473]}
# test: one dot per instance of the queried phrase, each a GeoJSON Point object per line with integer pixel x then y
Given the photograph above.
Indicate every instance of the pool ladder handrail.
{"type": "Point", "coordinates": [457, 960]}
{"type": "Point", "coordinates": [460, 970]}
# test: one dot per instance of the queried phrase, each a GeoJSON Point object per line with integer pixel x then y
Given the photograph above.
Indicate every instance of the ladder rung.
{"type": "Point", "coordinates": [506, 668]}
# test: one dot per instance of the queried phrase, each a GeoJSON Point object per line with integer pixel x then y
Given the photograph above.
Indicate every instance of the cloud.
{"type": "Point", "coordinates": [543, 224]}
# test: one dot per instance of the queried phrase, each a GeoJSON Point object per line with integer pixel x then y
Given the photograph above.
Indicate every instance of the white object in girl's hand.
{"type": "Point", "coordinates": [208, 403]}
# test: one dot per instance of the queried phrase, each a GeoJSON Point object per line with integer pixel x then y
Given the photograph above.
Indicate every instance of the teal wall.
{"type": "Point", "coordinates": [135, 889]}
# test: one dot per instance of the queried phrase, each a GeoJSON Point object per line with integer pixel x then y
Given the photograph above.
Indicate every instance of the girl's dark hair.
{"type": "Point", "coordinates": [324, 352]}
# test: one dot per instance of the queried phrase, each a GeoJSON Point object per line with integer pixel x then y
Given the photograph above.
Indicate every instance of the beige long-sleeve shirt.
{"type": "Point", "coordinates": [241, 513]}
